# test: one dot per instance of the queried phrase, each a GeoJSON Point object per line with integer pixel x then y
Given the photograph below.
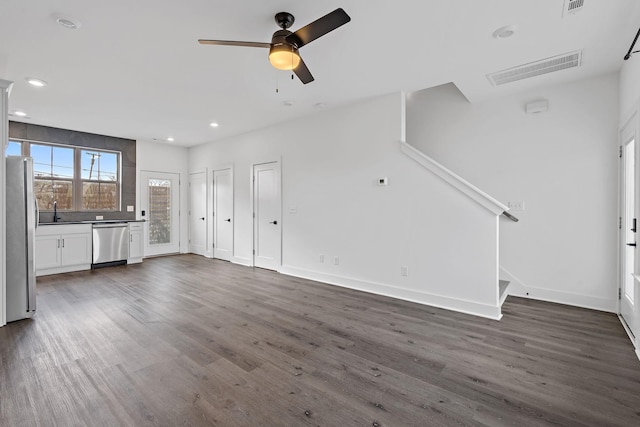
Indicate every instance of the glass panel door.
{"type": "Point", "coordinates": [159, 211]}
{"type": "Point", "coordinates": [160, 203]}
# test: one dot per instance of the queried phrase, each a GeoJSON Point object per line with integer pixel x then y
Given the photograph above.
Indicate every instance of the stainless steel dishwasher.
{"type": "Point", "coordinates": [110, 244]}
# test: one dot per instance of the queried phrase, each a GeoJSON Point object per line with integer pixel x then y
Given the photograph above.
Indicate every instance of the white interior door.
{"type": "Point", "coordinates": [267, 237]}
{"type": "Point", "coordinates": [198, 212]}
{"type": "Point", "coordinates": [628, 283]}
{"type": "Point", "coordinates": [160, 208]}
{"type": "Point", "coordinates": [223, 214]}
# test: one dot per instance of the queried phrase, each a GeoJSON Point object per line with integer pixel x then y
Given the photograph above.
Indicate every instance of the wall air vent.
{"type": "Point", "coordinates": [572, 6]}
{"type": "Point", "coordinates": [538, 68]}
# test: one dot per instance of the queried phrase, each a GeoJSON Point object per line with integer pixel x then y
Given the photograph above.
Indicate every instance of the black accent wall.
{"type": "Point", "coordinates": [127, 147]}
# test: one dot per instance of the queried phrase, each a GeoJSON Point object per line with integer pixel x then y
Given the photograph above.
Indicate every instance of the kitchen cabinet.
{"type": "Point", "coordinates": [61, 248]}
{"type": "Point", "coordinates": [136, 242]}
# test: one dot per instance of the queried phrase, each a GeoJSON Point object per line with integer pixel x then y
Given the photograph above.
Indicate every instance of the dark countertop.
{"type": "Point", "coordinates": [106, 221]}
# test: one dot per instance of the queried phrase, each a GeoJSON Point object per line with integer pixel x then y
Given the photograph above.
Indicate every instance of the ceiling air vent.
{"type": "Point", "coordinates": [538, 68]}
{"type": "Point", "coordinates": [572, 6]}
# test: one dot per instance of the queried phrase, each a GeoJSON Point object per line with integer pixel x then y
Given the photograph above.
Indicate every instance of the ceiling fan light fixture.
{"type": "Point", "coordinates": [284, 57]}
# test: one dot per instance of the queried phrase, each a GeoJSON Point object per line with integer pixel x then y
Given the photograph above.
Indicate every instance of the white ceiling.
{"type": "Point", "coordinates": [135, 70]}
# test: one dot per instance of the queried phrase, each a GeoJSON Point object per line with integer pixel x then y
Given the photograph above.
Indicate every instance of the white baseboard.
{"type": "Point", "coordinates": [247, 262]}
{"type": "Point", "coordinates": [59, 270]}
{"type": "Point", "coordinates": [462, 306]}
{"type": "Point", "coordinates": [519, 289]}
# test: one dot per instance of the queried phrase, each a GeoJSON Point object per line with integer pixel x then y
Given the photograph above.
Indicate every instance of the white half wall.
{"type": "Point", "coordinates": [562, 164]}
{"type": "Point", "coordinates": [334, 207]}
{"type": "Point", "coordinates": [160, 157]}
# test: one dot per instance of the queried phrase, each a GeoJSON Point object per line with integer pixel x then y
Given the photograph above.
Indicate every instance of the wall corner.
{"type": "Point", "coordinates": [403, 116]}
{"type": "Point", "coordinates": [5, 90]}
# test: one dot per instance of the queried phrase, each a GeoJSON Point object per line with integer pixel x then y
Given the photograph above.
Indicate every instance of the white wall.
{"type": "Point", "coordinates": [629, 87]}
{"type": "Point", "coordinates": [5, 87]}
{"type": "Point", "coordinates": [158, 157]}
{"type": "Point", "coordinates": [562, 164]}
{"type": "Point", "coordinates": [330, 165]}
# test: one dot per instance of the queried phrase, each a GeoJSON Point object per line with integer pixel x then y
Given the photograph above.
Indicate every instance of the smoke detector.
{"type": "Point", "coordinates": [505, 32]}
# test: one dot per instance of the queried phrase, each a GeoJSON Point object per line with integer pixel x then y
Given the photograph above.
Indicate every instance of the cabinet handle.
{"type": "Point", "coordinates": [58, 243]}
{"type": "Point", "coordinates": [63, 243]}
{"type": "Point", "coordinates": [130, 238]}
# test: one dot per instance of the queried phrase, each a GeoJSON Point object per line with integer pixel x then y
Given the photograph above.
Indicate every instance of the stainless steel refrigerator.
{"type": "Point", "coordinates": [22, 220]}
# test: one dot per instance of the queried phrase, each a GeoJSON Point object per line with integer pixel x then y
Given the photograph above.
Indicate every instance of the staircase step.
{"type": "Point", "coordinates": [502, 286]}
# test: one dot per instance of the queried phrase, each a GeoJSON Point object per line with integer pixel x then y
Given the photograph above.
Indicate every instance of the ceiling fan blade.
{"type": "Point", "coordinates": [303, 72]}
{"type": "Point", "coordinates": [318, 28]}
{"type": "Point", "coordinates": [234, 43]}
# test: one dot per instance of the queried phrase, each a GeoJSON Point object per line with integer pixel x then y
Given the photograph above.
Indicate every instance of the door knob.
{"type": "Point", "coordinates": [228, 220]}
{"type": "Point", "coordinates": [202, 218]}
{"type": "Point", "coordinates": [631, 244]}
{"type": "Point", "coordinates": [274, 222]}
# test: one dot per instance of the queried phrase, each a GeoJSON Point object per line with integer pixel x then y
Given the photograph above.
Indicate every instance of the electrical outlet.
{"type": "Point", "coordinates": [404, 271]}
{"type": "Point", "coordinates": [516, 206]}
{"type": "Point", "coordinates": [322, 258]}
{"type": "Point", "coordinates": [99, 217]}
{"type": "Point", "coordinates": [336, 260]}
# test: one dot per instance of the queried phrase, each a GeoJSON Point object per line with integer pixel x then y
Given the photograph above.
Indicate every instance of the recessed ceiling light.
{"type": "Point", "coordinates": [320, 105]}
{"type": "Point", "coordinates": [170, 139]}
{"type": "Point", "coordinates": [67, 22]}
{"type": "Point", "coordinates": [20, 113]}
{"type": "Point", "coordinates": [505, 32]}
{"type": "Point", "coordinates": [214, 124]}
{"type": "Point", "coordinates": [35, 82]}
{"type": "Point", "coordinates": [287, 103]}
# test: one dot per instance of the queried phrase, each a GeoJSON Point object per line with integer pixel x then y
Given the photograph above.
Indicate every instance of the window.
{"type": "Point", "coordinates": [99, 172]}
{"type": "Point", "coordinates": [76, 178]}
{"type": "Point", "coordinates": [53, 176]}
{"type": "Point", "coordinates": [14, 148]}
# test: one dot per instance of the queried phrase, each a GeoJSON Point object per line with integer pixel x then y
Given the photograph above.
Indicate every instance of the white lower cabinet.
{"type": "Point", "coordinates": [61, 248]}
{"type": "Point", "coordinates": [136, 242]}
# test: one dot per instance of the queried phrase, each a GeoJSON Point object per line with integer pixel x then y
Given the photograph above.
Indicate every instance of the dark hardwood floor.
{"type": "Point", "coordinates": [186, 340]}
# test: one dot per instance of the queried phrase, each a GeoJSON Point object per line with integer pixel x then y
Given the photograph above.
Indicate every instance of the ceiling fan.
{"type": "Point", "coordinates": [283, 49]}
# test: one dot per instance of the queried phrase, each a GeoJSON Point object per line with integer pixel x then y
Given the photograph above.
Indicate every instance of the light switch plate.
{"type": "Point", "coordinates": [129, 208]}
{"type": "Point", "coordinates": [99, 217]}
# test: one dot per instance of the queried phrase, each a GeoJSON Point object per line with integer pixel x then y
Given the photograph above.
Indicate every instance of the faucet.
{"type": "Point", "coordinates": [55, 211]}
